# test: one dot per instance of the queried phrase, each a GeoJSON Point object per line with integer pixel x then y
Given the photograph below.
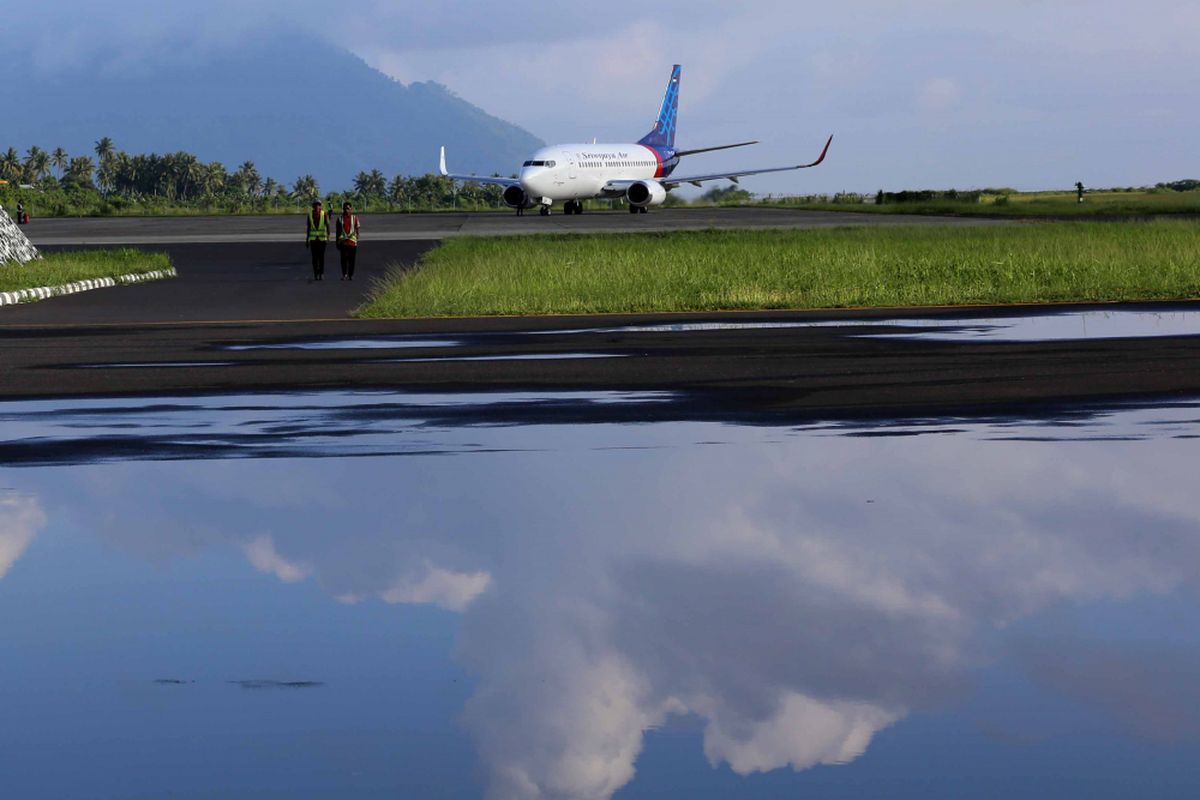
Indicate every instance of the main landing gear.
{"type": "Point", "coordinates": [637, 209]}
{"type": "Point", "coordinates": [573, 207]}
{"type": "Point", "coordinates": [544, 210]}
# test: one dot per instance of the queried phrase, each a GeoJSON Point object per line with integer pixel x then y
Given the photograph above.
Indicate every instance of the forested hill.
{"type": "Point", "coordinates": [292, 107]}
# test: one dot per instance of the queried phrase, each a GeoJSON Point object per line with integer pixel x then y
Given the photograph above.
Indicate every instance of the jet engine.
{"type": "Point", "coordinates": [645, 193]}
{"type": "Point", "coordinates": [516, 197]}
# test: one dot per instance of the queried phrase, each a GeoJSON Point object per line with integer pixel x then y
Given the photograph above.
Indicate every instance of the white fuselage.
{"type": "Point", "coordinates": [577, 171]}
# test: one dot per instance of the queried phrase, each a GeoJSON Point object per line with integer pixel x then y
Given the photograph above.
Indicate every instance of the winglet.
{"type": "Point", "coordinates": [822, 158]}
{"type": "Point", "coordinates": [442, 161]}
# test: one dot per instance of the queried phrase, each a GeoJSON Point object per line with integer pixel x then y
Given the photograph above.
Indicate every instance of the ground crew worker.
{"type": "Point", "coordinates": [316, 235]}
{"type": "Point", "coordinates": [347, 240]}
{"type": "Point", "coordinates": [20, 213]}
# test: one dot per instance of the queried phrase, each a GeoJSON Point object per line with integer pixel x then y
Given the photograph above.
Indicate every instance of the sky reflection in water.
{"type": "Point", "coordinates": [580, 610]}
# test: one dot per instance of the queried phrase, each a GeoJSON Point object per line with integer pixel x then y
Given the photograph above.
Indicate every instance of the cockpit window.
{"type": "Point", "coordinates": [532, 163]}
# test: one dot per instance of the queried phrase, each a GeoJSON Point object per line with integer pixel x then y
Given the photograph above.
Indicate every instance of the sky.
{"type": "Point", "coordinates": [920, 94]}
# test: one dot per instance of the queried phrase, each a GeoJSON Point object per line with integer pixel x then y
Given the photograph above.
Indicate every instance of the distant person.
{"type": "Point", "coordinates": [21, 213]}
{"type": "Point", "coordinates": [316, 235]}
{"type": "Point", "coordinates": [347, 240]}
{"type": "Point", "coordinates": [1079, 191]}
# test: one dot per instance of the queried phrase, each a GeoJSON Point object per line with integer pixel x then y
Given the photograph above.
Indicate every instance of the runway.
{"type": "Point", "coordinates": [96, 231]}
{"type": "Point", "coordinates": [265, 281]}
{"type": "Point", "coordinates": [244, 316]}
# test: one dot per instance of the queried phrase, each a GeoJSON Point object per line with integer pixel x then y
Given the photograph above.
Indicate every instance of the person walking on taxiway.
{"type": "Point", "coordinates": [315, 237]}
{"type": "Point", "coordinates": [347, 240]}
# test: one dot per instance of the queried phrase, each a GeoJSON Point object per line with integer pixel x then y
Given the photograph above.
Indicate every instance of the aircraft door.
{"type": "Point", "coordinates": [570, 159]}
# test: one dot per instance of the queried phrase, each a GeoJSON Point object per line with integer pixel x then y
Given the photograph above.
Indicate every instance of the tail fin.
{"type": "Point", "coordinates": [663, 134]}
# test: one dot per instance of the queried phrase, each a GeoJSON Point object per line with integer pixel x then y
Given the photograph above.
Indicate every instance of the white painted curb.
{"type": "Point", "coordinates": [43, 292]}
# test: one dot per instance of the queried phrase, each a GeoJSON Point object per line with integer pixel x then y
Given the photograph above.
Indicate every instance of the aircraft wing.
{"type": "Point", "coordinates": [474, 178]}
{"type": "Point", "coordinates": [673, 181]}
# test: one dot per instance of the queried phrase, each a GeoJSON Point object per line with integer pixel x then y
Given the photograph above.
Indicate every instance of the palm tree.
{"type": "Point", "coordinates": [398, 190]}
{"type": "Point", "coordinates": [105, 148]}
{"type": "Point", "coordinates": [247, 178]}
{"type": "Point", "coordinates": [124, 176]}
{"type": "Point", "coordinates": [10, 165]}
{"type": "Point", "coordinates": [377, 183]}
{"type": "Point", "coordinates": [361, 180]}
{"type": "Point", "coordinates": [214, 177]}
{"type": "Point", "coordinates": [105, 152]}
{"type": "Point", "coordinates": [106, 174]}
{"type": "Point", "coordinates": [37, 164]}
{"type": "Point", "coordinates": [79, 171]}
{"type": "Point", "coordinates": [59, 160]}
{"type": "Point", "coordinates": [306, 188]}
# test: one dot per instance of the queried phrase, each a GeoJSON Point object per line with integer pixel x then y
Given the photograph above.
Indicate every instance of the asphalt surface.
{"type": "Point", "coordinates": [174, 337]}
{"type": "Point", "coordinates": [268, 281]}
{"type": "Point", "coordinates": [408, 227]}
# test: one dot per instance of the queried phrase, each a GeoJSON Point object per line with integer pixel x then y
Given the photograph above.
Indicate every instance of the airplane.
{"type": "Point", "coordinates": [641, 172]}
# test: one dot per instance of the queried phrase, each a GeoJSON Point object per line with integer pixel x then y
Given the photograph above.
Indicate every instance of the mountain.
{"type": "Point", "coordinates": [292, 106]}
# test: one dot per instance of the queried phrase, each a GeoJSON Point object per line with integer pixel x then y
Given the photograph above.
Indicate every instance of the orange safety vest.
{"type": "Point", "coordinates": [348, 237]}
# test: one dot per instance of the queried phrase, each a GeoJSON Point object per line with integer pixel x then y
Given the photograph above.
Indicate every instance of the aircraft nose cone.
{"type": "Point", "coordinates": [531, 184]}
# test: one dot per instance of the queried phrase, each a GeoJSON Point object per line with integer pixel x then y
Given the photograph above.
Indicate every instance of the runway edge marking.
{"type": "Point", "coordinates": [46, 292]}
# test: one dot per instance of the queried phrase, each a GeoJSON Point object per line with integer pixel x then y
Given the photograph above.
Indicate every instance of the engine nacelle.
{"type": "Point", "coordinates": [646, 193]}
{"type": "Point", "coordinates": [516, 197]}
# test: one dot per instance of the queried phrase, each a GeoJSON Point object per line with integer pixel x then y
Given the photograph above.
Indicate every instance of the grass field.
{"type": "Point", "coordinates": [56, 269]}
{"type": "Point", "coordinates": [846, 267]}
{"type": "Point", "coordinates": [1025, 205]}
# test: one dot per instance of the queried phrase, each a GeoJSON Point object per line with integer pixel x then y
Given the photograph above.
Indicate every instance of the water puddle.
{"type": "Point", "coordinates": [381, 343]}
{"type": "Point", "coordinates": [1051, 326]}
{"type": "Point", "coordinates": [318, 425]}
{"type": "Point", "coordinates": [509, 357]}
{"type": "Point", "coordinates": [157, 365]}
{"type": "Point", "coordinates": [572, 595]}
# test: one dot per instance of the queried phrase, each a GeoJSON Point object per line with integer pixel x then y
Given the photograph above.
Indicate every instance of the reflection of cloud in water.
{"type": "Point", "coordinates": [797, 596]}
{"type": "Point", "coordinates": [453, 591]}
{"type": "Point", "coordinates": [260, 552]}
{"type": "Point", "coordinates": [20, 519]}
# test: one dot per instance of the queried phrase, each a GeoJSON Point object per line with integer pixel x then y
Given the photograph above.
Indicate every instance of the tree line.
{"type": "Point", "coordinates": [119, 179]}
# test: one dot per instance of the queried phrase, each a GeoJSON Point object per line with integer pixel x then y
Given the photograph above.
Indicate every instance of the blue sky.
{"type": "Point", "coordinates": [927, 93]}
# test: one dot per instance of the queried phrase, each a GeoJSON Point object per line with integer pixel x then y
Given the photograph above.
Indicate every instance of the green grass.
{"type": "Point", "coordinates": [845, 267]}
{"type": "Point", "coordinates": [56, 269]}
{"type": "Point", "coordinates": [1026, 205]}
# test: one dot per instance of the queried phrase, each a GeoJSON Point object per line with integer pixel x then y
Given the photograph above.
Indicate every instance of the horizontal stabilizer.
{"type": "Point", "coordinates": [682, 153]}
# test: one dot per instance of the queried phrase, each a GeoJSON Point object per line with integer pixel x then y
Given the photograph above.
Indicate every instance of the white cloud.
{"type": "Point", "coordinates": [802, 733]}
{"type": "Point", "coordinates": [454, 591]}
{"type": "Point", "coordinates": [581, 735]}
{"type": "Point", "coordinates": [20, 519]}
{"type": "Point", "coordinates": [261, 553]}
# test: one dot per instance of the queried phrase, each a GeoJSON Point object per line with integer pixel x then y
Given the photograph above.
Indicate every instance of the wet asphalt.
{"type": "Point", "coordinates": [172, 338]}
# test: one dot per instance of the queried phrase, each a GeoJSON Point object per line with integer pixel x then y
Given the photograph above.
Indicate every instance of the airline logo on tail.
{"type": "Point", "coordinates": [663, 134]}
